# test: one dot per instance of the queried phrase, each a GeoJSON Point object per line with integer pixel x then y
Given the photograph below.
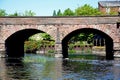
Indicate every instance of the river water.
{"type": "Point", "coordinates": [36, 67]}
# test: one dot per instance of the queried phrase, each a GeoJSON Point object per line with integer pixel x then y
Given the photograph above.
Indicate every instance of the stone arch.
{"type": "Point", "coordinates": [8, 30]}
{"type": "Point", "coordinates": [109, 41]}
{"type": "Point", "coordinates": [14, 44]}
{"type": "Point", "coordinates": [108, 29]}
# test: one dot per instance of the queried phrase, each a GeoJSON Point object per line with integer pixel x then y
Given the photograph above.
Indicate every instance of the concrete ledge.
{"type": "Point", "coordinates": [40, 52]}
{"type": "Point", "coordinates": [2, 53]}
{"type": "Point", "coordinates": [117, 56]}
{"type": "Point", "coordinates": [58, 56]}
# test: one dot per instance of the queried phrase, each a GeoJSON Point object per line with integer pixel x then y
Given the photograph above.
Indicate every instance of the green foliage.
{"type": "Point", "coordinates": [36, 37]}
{"type": "Point", "coordinates": [41, 36]}
{"type": "Point", "coordinates": [51, 51]}
{"type": "Point", "coordinates": [82, 37]}
{"type": "Point", "coordinates": [15, 14]}
{"type": "Point", "coordinates": [28, 13]}
{"type": "Point", "coordinates": [80, 43]}
{"type": "Point", "coordinates": [36, 41]}
{"type": "Point", "coordinates": [113, 13]}
{"type": "Point", "coordinates": [59, 13]}
{"type": "Point", "coordinates": [86, 10]}
{"type": "Point", "coordinates": [52, 43]}
{"type": "Point", "coordinates": [71, 46]}
{"type": "Point", "coordinates": [3, 12]}
{"type": "Point", "coordinates": [54, 13]}
{"type": "Point", "coordinates": [88, 51]}
{"type": "Point", "coordinates": [31, 46]}
{"type": "Point", "coordinates": [90, 38]}
{"type": "Point", "coordinates": [46, 36]}
{"type": "Point", "coordinates": [71, 51]}
{"type": "Point", "coordinates": [68, 12]}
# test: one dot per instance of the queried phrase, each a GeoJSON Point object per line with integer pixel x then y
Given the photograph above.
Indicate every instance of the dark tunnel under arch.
{"type": "Point", "coordinates": [108, 41]}
{"type": "Point", "coordinates": [14, 44]}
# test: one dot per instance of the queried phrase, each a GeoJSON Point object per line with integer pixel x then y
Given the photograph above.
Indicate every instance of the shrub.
{"type": "Point", "coordinates": [51, 51]}
{"type": "Point", "coordinates": [31, 46]}
{"type": "Point", "coordinates": [71, 46]}
{"type": "Point", "coordinates": [71, 51]}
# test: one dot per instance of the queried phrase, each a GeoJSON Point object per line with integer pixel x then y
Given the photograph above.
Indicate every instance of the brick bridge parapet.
{"type": "Point", "coordinates": [60, 27]}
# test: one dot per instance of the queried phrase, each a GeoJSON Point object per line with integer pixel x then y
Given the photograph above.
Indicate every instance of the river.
{"type": "Point", "coordinates": [37, 67]}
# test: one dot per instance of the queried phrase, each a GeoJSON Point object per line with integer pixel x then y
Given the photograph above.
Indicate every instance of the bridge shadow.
{"type": "Point", "coordinates": [108, 41]}
{"type": "Point", "coordinates": [15, 43]}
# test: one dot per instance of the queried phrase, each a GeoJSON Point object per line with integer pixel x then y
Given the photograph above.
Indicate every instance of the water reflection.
{"type": "Point", "coordinates": [3, 75]}
{"type": "Point", "coordinates": [58, 69]}
{"type": "Point", "coordinates": [88, 70]}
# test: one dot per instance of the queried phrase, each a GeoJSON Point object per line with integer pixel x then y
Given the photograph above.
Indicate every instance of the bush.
{"type": "Point", "coordinates": [51, 51]}
{"type": "Point", "coordinates": [71, 51]}
{"type": "Point", "coordinates": [31, 46]}
{"type": "Point", "coordinates": [71, 46]}
{"type": "Point", "coordinates": [88, 51]}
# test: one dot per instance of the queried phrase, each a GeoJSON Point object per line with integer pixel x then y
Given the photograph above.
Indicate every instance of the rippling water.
{"type": "Point", "coordinates": [36, 67]}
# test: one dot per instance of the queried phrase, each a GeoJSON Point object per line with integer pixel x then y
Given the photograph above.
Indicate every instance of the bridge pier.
{"type": "Point", "coordinates": [116, 49]}
{"type": "Point", "coordinates": [58, 49]}
{"type": "Point", "coordinates": [58, 44]}
{"type": "Point", "coordinates": [2, 50]}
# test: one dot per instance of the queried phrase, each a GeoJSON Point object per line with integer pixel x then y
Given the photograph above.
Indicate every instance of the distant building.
{"type": "Point", "coordinates": [109, 7]}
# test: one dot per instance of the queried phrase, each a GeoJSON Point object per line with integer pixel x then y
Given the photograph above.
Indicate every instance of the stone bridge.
{"type": "Point", "coordinates": [15, 30]}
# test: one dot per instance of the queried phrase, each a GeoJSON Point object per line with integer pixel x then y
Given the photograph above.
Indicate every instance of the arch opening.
{"type": "Point", "coordinates": [108, 41]}
{"type": "Point", "coordinates": [14, 44]}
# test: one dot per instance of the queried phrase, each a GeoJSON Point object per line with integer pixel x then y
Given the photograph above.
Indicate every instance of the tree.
{"type": "Point", "coordinates": [83, 37]}
{"type": "Point", "coordinates": [40, 37]}
{"type": "Point", "coordinates": [59, 13]}
{"type": "Point", "coordinates": [90, 38]}
{"type": "Point", "coordinates": [46, 36]}
{"type": "Point", "coordinates": [2, 12]}
{"type": "Point", "coordinates": [54, 13]}
{"type": "Point", "coordinates": [15, 14]}
{"type": "Point", "coordinates": [28, 13]}
{"type": "Point", "coordinates": [68, 12]}
{"type": "Point", "coordinates": [86, 10]}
